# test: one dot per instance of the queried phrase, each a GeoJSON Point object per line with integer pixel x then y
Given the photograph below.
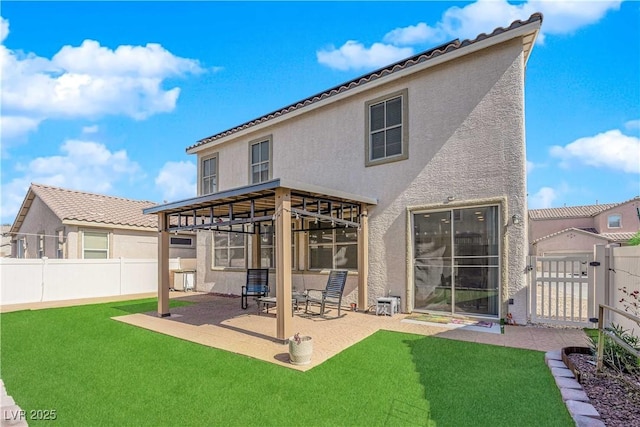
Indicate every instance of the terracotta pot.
{"type": "Point", "coordinates": [300, 353]}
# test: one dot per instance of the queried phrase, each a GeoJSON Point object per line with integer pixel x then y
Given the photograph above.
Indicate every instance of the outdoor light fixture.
{"type": "Point", "coordinates": [516, 219]}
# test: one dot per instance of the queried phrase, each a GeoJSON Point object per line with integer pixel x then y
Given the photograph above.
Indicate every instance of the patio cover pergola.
{"type": "Point", "coordinates": [241, 210]}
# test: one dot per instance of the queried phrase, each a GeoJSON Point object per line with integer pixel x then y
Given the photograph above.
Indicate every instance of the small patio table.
{"type": "Point", "coordinates": [266, 302]}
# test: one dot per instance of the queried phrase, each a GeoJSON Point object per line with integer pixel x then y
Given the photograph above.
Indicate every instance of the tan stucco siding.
{"type": "Point", "coordinates": [466, 140]}
{"type": "Point", "coordinates": [568, 242]}
{"type": "Point", "coordinates": [39, 219]}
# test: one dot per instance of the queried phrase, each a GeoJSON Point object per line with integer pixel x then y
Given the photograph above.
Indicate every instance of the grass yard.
{"type": "Point", "coordinates": [96, 371]}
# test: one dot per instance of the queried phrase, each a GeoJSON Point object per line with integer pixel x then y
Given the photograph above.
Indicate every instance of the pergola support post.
{"type": "Point", "coordinates": [363, 260]}
{"type": "Point", "coordinates": [163, 266]}
{"type": "Point", "coordinates": [283, 263]}
{"type": "Point", "coordinates": [256, 247]}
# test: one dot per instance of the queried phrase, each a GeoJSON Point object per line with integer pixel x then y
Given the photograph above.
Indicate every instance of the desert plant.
{"type": "Point", "coordinates": [614, 355]}
{"type": "Point", "coordinates": [635, 240]}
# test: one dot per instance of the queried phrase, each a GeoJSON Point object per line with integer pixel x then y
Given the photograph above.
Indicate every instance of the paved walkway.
{"type": "Point", "coordinates": [219, 322]}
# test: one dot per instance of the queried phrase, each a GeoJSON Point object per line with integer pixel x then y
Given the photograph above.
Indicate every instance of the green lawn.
{"type": "Point", "coordinates": [96, 371]}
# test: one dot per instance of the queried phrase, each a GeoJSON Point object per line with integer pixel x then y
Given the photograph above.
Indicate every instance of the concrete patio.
{"type": "Point", "coordinates": [218, 321]}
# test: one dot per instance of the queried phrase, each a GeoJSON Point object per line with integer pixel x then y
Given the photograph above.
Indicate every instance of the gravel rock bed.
{"type": "Point", "coordinates": [615, 396]}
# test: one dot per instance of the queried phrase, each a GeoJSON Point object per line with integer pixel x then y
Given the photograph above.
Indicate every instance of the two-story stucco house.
{"type": "Point", "coordinates": [67, 224]}
{"type": "Point", "coordinates": [411, 177]}
{"type": "Point", "coordinates": [572, 230]}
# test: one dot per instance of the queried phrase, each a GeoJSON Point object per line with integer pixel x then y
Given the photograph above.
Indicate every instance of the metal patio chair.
{"type": "Point", "coordinates": [332, 294]}
{"type": "Point", "coordinates": [257, 285]}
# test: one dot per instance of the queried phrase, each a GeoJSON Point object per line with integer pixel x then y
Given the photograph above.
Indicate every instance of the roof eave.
{"type": "Point", "coordinates": [23, 211]}
{"type": "Point", "coordinates": [528, 32]}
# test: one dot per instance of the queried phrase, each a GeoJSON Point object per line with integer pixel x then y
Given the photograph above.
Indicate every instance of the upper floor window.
{"type": "Point", "coordinates": [260, 159]}
{"type": "Point", "coordinates": [387, 129]}
{"type": "Point", "coordinates": [95, 245]}
{"type": "Point", "coordinates": [209, 182]}
{"type": "Point", "coordinates": [615, 221]}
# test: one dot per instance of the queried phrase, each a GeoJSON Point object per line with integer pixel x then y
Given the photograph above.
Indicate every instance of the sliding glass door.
{"type": "Point", "coordinates": [456, 261]}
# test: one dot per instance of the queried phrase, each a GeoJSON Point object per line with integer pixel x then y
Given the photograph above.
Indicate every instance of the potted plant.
{"type": "Point", "coordinates": [300, 349]}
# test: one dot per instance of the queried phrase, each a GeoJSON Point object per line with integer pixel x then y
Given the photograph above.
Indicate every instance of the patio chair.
{"type": "Point", "coordinates": [257, 285]}
{"type": "Point", "coordinates": [332, 294]}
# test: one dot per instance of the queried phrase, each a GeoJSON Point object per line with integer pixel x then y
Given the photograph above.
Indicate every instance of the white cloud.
{"type": "Point", "coordinates": [14, 126]}
{"type": "Point", "coordinates": [4, 29]}
{"type": "Point", "coordinates": [610, 149]}
{"type": "Point", "coordinates": [91, 81]}
{"type": "Point", "coordinates": [354, 55]}
{"type": "Point", "coordinates": [413, 34]}
{"type": "Point", "coordinates": [176, 180]}
{"type": "Point", "coordinates": [544, 198]}
{"type": "Point", "coordinates": [632, 125]}
{"type": "Point", "coordinates": [483, 16]}
{"type": "Point", "coordinates": [90, 129]}
{"type": "Point", "coordinates": [530, 166]}
{"type": "Point", "coordinates": [81, 165]}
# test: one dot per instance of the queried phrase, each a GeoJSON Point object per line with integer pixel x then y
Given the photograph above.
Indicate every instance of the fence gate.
{"type": "Point", "coordinates": [562, 290]}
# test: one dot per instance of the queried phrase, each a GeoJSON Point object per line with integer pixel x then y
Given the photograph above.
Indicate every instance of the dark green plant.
{"type": "Point", "coordinates": [614, 355]}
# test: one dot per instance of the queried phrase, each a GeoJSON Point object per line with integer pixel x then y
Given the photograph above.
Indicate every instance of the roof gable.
{"type": "Point", "coordinates": [528, 40]}
{"type": "Point", "coordinates": [77, 206]}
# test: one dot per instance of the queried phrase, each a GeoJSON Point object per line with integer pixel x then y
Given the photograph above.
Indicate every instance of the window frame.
{"type": "Point", "coordinates": [181, 245]}
{"type": "Point", "coordinates": [228, 248]}
{"type": "Point", "coordinates": [40, 244]}
{"type": "Point", "coordinates": [266, 139]}
{"type": "Point", "coordinates": [107, 251]}
{"type": "Point", "coordinates": [271, 247]}
{"type": "Point", "coordinates": [618, 216]}
{"type": "Point", "coordinates": [60, 241]}
{"type": "Point", "coordinates": [21, 247]}
{"type": "Point", "coordinates": [201, 187]}
{"type": "Point", "coordinates": [335, 244]}
{"type": "Point", "coordinates": [404, 134]}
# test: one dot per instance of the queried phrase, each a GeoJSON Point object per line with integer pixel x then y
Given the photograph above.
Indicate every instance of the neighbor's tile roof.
{"type": "Point", "coordinates": [72, 205]}
{"type": "Point", "coordinates": [619, 237]}
{"type": "Point", "coordinates": [570, 211]}
{"type": "Point", "coordinates": [382, 72]}
{"type": "Point", "coordinates": [611, 237]}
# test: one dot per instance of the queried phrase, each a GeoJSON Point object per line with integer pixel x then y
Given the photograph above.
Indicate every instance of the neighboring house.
{"type": "Point", "coordinates": [5, 251]}
{"type": "Point", "coordinates": [412, 177]}
{"type": "Point", "coordinates": [575, 229]}
{"type": "Point", "coordinates": [67, 224]}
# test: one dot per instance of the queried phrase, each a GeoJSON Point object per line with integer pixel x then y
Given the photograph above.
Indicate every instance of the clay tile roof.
{"type": "Point", "coordinates": [570, 211]}
{"type": "Point", "coordinates": [72, 205]}
{"type": "Point", "coordinates": [578, 230]}
{"type": "Point", "coordinates": [380, 73]}
{"type": "Point", "coordinates": [619, 237]}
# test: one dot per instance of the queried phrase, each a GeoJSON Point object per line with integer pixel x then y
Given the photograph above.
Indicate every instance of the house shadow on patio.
{"type": "Point", "coordinates": [218, 321]}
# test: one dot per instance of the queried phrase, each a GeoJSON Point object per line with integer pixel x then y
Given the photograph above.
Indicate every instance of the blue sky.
{"type": "Point", "coordinates": [105, 97]}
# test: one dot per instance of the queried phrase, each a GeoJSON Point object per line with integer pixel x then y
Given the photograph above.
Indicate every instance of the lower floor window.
{"type": "Point", "coordinates": [332, 247]}
{"type": "Point", "coordinates": [229, 249]}
{"type": "Point", "coordinates": [456, 260]}
{"type": "Point", "coordinates": [268, 246]}
{"type": "Point", "coordinates": [21, 248]}
{"type": "Point", "coordinates": [95, 245]}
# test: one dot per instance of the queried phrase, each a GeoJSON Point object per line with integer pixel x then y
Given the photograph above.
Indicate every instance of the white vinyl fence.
{"type": "Point", "coordinates": [622, 280]}
{"type": "Point", "coordinates": [35, 280]}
